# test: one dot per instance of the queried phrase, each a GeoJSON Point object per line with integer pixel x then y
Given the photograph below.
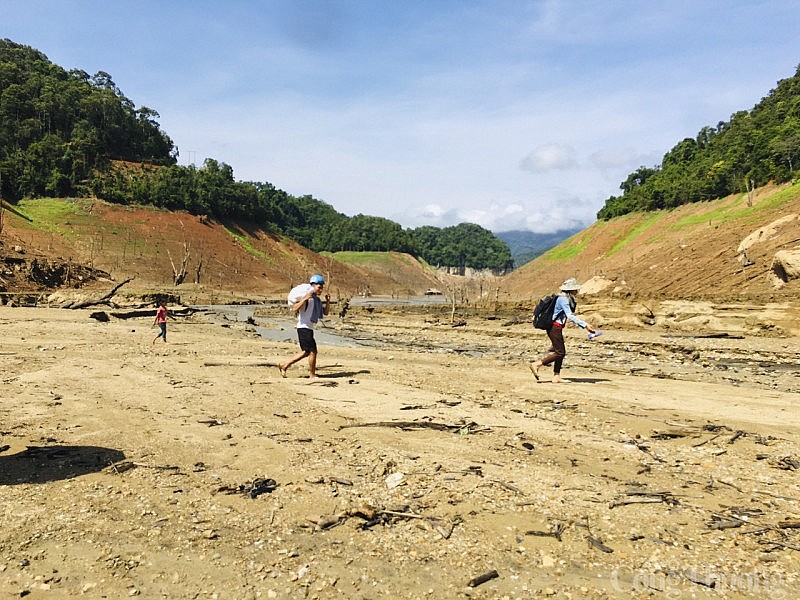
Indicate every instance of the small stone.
{"type": "Point", "coordinates": [393, 480]}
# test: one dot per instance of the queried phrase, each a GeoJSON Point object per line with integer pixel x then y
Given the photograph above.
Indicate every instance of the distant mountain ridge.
{"type": "Point", "coordinates": [527, 245]}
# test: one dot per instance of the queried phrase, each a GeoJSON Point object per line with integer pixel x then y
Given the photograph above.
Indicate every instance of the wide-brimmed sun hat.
{"type": "Point", "coordinates": [570, 285]}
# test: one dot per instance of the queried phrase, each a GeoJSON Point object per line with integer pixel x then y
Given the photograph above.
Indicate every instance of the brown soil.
{"type": "Point", "coordinates": [222, 260]}
{"type": "Point", "coordinates": [668, 465]}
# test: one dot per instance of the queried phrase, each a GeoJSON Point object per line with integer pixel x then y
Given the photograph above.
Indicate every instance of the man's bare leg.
{"type": "Point", "coordinates": [283, 368]}
{"type": "Point", "coordinates": [312, 365]}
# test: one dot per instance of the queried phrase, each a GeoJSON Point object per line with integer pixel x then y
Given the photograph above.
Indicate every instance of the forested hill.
{"type": "Point", "coordinates": [57, 126]}
{"type": "Point", "coordinates": [751, 149]}
{"type": "Point", "coordinates": [68, 134]}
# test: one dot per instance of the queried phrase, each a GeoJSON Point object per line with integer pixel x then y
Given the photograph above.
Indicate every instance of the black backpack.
{"type": "Point", "coordinates": [543, 312]}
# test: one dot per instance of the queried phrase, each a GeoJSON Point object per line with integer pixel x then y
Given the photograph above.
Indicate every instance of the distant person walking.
{"type": "Point", "coordinates": [162, 314]}
{"type": "Point", "coordinates": [305, 301]}
{"type": "Point", "coordinates": [562, 311]}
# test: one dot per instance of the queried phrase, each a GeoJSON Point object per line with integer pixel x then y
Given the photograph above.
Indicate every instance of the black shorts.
{"type": "Point", "coordinates": [306, 338]}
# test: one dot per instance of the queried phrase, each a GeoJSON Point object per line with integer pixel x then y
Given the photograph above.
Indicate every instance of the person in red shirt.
{"type": "Point", "coordinates": [161, 320]}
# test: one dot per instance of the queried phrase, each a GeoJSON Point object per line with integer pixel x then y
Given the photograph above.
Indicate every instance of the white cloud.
{"type": "Point", "coordinates": [549, 157]}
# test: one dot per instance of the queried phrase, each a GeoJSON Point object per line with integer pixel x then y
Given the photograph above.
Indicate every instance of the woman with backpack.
{"type": "Point", "coordinates": [562, 311]}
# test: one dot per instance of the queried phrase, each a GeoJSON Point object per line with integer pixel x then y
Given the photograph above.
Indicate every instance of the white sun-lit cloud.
{"type": "Point", "coordinates": [549, 157]}
{"type": "Point", "coordinates": [508, 114]}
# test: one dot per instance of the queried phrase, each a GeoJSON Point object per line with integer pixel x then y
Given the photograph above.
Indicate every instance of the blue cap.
{"type": "Point", "coordinates": [317, 279]}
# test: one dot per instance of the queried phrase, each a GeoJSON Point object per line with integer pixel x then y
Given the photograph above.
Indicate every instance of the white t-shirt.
{"type": "Point", "coordinates": [305, 313]}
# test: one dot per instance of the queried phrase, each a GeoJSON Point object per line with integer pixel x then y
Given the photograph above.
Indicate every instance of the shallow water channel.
{"type": "Point", "coordinates": [278, 328]}
{"type": "Point", "coordinates": [272, 327]}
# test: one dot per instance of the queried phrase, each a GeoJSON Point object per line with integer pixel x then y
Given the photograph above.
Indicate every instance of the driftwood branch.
{"type": "Point", "coordinates": [476, 581]}
{"type": "Point", "coordinates": [179, 275]}
{"type": "Point", "coordinates": [644, 497]}
{"type": "Point", "coordinates": [694, 577]}
{"type": "Point", "coordinates": [789, 524]}
{"type": "Point", "coordinates": [103, 300]}
{"type": "Point", "coordinates": [556, 531]}
{"type": "Point", "coordinates": [227, 363]}
{"type": "Point", "coordinates": [598, 543]}
{"type": "Point", "coordinates": [725, 521]}
{"type": "Point", "coordinates": [779, 545]}
{"type": "Point", "coordinates": [374, 516]}
{"type": "Point", "coordinates": [465, 428]}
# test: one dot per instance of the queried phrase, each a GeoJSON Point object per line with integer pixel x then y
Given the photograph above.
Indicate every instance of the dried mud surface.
{"type": "Point", "coordinates": [423, 459]}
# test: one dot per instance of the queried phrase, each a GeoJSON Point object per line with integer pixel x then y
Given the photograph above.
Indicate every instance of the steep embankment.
{"type": "Point", "coordinates": [152, 246]}
{"type": "Point", "coordinates": [721, 250]}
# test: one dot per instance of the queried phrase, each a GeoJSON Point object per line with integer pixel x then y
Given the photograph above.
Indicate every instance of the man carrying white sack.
{"type": "Point", "coordinates": [305, 300]}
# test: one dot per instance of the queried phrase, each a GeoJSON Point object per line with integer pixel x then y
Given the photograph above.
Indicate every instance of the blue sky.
{"type": "Point", "coordinates": [508, 114]}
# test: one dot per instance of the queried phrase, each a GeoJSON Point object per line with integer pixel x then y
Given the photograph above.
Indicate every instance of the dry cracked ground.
{"type": "Point", "coordinates": [424, 462]}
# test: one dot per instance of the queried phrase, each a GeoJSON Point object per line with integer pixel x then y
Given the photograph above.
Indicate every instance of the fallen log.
{"type": "Point", "coordinates": [698, 578]}
{"type": "Point", "coordinates": [217, 363]}
{"type": "Point", "coordinates": [719, 522]}
{"type": "Point", "coordinates": [789, 524]}
{"type": "Point", "coordinates": [777, 544]}
{"type": "Point", "coordinates": [639, 500]}
{"type": "Point", "coordinates": [151, 312]}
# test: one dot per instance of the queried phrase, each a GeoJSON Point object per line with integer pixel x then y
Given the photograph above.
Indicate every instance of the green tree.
{"type": "Point", "coordinates": [752, 148]}
{"type": "Point", "coordinates": [462, 246]}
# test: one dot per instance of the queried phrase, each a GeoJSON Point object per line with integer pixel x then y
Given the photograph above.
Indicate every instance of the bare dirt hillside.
{"type": "Point", "coordinates": [152, 246]}
{"type": "Point", "coordinates": [722, 250]}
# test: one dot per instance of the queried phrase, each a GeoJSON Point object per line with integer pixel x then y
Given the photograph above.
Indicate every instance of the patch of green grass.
{"type": "Point", "coordinates": [54, 215]}
{"type": "Point", "coordinates": [49, 210]}
{"type": "Point", "coordinates": [719, 212]}
{"type": "Point", "coordinates": [245, 243]}
{"type": "Point", "coordinates": [361, 258]}
{"type": "Point", "coordinates": [635, 232]}
{"type": "Point", "coordinates": [569, 248]}
{"type": "Point", "coordinates": [724, 211]}
{"type": "Point", "coordinates": [779, 198]}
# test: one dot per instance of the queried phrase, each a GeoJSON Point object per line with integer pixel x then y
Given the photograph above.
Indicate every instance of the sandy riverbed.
{"type": "Point", "coordinates": [411, 466]}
